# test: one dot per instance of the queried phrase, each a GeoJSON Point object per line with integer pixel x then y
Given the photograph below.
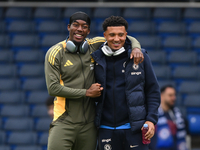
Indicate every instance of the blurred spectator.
{"type": "Point", "coordinates": [50, 105]}
{"type": "Point", "coordinates": [170, 130]}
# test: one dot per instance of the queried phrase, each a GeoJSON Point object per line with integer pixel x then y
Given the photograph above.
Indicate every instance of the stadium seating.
{"type": "Point", "coordinates": [37, 97]}
{"type": "Point", "coordinates": [8, 70]}
{"type": "Point", "coordinates": [135, 14]}
{"type": "Point", "coordinates": [4, 147]}
{"type": "Point", "coordinates": [150, 42]}
{"type": "Point", "coordinates": [22, 138]}
{"type": "Point", "coordinates": [15, 110]}
{"type": "Point", "coordinates": [167, 14]}
{"type": "Point", "coordinates": [9, 84]}
{"type": "Point", "coordinates": [157, 57]}
{"type": "Point", "coordinates": [6, 56]}
{"type": "Point", "coordinates": [170, 36]}
{"type": "Point", "coordinates": [21, 27]}
{"type": "Point", "coordinates": [18, 124]}
{"type": "Point", "coordinates": [12, 97]}
{"type": "Point", "coordinates": [18, 13]}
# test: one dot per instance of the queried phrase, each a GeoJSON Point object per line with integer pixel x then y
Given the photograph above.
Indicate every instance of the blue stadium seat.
{"type": "Point", "coordinates": [42, 124]}
{"type": "Point", "coordinates": [157, 57]}
{"type": "Point", "coordinates": [2, 26]}
{"type": "Point", "coordinates": [18, 13]}
{"type": "Point", "coordinates": [183, 57]}
{"type": "Point", "coordinates": [93, 28]}
{"type": "Point", "coordinates": [193, 29]}
{"type": "Point", "coordinates": [187, 72]}
{"type": "Point", "coordinates": [167, 14]}
{"type": "Point", "coordinates": [14, 111]}
{"type": "Point", "coordinates": [6, 56]}
{"type": "Point", "coordinates": [21, 27]}
{"type": "Point", "coordinates": [177, 43]}
{"type": "Point", "coordinates": [189, 87]}
{"type": "Point", "coordinates": [2, 147]}
{"type": "Point", "coordinates": [46, 13]}
{"type": "Point", "coordinates": [31, 70]}
{"type": "Point", "coordinates": [8, 70]}
{"type": "Point", "coordinates": [39, 111]}
{"type": "Point", "coordinates": [191, 14]}
{"type": "Point", "coordinates": [192, 104]}
{"type": "Point", "coordinates": [69, 11]}
{"type": "Point", "coordinates": [4, 41]}
{"type": "Point", "coordinates": [1, 13]}
{"type": "Point", "coordinates": [196, 44]}
{"type": "Point", "coordinates": [149, 42]}
{"type": "Point", "coordinates": [162, 72]}
{"type": "Point", "coordinates": [9, 84]}
{"type": "Point", "coordinates": [34, 84]}
{"type": "Point", "coordinates": [12, 97]}
{"type": "Point", "coordinates": [2, 137]}
{"type": "Point", "coordinates": [135, 14]}
{"type": "Point", "coordinates": [50, 40]}
{"type": "Point", "coordinates": [37, 97]}
{"type": "Point", "coordinates": [43, 139]}
{"type": "Point", "coordinates": [29, 147]}
{"type": "Point", "coordinates": [22, 138]}
{"type": "Point", "coordinates": [18, 124]}
{"type": "Point", "coordinates": [25, 41]}
{"type": "Point", "coordinates": [171, 28]}
{"type": "Point", "coordinates": [49, 27]}
{"type": "Point", "coordinates": [101, 13]}
{"type": "Point", "coordinates": [30, 56]}
{"type": "Point", "coordinates": [166, 82]}
{"type": "Point", "coordinates": [141, 28]}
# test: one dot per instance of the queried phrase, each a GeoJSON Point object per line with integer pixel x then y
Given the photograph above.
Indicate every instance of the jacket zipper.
{"type": "Point", "coordinates": [84, 86]}
{"type": "Point", "coordinates": [114, 95]}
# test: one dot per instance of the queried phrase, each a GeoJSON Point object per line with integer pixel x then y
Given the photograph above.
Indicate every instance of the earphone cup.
{"type": "Point", "coordinates": [71, 47]}
{"type": "Point", "coordinates": [84, 47]}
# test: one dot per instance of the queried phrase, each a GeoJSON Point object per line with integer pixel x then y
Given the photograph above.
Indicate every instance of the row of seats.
{"type": "Point", "coordinates": [148, 27]}
{"type": "Point", "coordinates": [129, 13]}
{"type": "Point", "coordinates": [13, 124]}
{"type": "Point", "coordinates": [29, 147]}
{"type": "Point", "coordinates": [35, 59]}
{"type": "Point", "coordinates": [23, 138]}
{"type": "Point", "coordinates": [148, 42]}
{"type": "Point", "coordinates": [23, 110]}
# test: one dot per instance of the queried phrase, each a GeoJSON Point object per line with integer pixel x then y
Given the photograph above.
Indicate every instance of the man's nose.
{"type": "Point", "coordinates": [116, 38]}
{"type": "Point", "coordinates": [80, 28]}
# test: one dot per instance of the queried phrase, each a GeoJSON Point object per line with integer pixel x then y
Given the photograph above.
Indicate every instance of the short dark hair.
{"type": "Point", "coordinates": [50, 101]}
{"type": "Point", "coordinates": [163, 88]}
{"type": "Point", "coordinates": [114, 21]}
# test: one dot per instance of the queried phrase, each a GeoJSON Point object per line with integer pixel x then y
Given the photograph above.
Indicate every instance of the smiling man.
{"type": "Point", "coordinates": [69, 73]}
{"type": "Point", "coordinates": [131, 94]}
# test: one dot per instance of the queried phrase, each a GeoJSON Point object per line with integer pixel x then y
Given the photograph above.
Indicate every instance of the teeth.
{"type": "Point", "coordinates": [78, 35]}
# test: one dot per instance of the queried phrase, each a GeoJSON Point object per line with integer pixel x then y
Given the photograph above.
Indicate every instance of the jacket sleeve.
{"type": "Point", "coordinates": [96, 42]}
{"type": "Point", "coordinates": [54, 84]}
{"type": "Point", "coordinates": [134, 42]}
{"type": "Point", "coordinates": [152, 91]}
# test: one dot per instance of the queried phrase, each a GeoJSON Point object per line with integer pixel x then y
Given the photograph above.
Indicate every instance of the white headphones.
{"type": "Point", "coordinates": [71, 47]}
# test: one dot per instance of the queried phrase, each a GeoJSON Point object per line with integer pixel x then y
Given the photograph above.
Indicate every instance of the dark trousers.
{"type": "Point", "coordinates": [120, 140]}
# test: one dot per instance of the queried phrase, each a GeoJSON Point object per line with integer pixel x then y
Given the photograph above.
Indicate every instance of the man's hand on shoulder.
{"type": "Point", "coordinates": [138, 56]}
{"type": "Point", "coordinates": [94, 90]}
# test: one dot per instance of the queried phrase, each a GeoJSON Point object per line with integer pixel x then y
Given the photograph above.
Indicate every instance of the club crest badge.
{"type": "Point", "coordinates": [107, 147]}
{"type": "Point", "coordinates": [135, 67]}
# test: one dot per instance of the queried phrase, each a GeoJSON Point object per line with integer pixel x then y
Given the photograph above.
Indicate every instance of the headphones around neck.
{"type": "Point", "coordinates": [82, 48]}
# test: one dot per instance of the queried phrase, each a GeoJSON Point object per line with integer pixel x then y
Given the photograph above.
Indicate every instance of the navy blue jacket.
{"type": "Point", "coordinates": [141, 89]}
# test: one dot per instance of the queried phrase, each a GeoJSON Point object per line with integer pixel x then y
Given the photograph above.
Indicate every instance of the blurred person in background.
{"type": "Point", "coordinates": [171, 129]}
{"type": "Point", "coordinates": [50, 105]}
{"type": "Point", "coordinates": [131, 94]}
{"type": "Point", "coordinates": [69, 73]}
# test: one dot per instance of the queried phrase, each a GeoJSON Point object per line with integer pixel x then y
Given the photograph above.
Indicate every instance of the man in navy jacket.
{"type": "Point", "coordinates": [131, 94]}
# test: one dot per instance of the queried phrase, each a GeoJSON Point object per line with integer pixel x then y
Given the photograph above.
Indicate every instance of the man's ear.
{"type": "Point", "coordinates": [104, 34]}
{"type": "Point", "coordinates": [68, 27]}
